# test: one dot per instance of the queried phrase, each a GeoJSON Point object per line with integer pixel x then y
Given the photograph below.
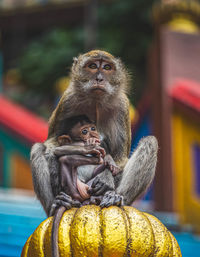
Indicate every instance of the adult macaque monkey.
{"type": "Point", "coordinates": [99, 83]}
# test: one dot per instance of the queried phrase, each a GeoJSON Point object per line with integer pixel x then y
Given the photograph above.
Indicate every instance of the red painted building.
{"type": "Point", "coordinates": [19, 129]}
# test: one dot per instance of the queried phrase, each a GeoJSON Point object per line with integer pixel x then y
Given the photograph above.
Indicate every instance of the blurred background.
{"type": "Point", "coordinates": [159, 41]}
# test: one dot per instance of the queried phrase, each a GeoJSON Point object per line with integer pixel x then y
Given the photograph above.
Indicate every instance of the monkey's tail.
{"type": "Point", "coordinates": [54, 235]}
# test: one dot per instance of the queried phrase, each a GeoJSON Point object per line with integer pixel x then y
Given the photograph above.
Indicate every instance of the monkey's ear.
{"type": "Point", "coordinates": [64, 140]}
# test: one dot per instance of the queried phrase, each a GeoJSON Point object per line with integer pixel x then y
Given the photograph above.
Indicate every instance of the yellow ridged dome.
{"type": "Point", "coordinates": [109, 232]}
{"type": "Point", "coordinates": [179, 15]}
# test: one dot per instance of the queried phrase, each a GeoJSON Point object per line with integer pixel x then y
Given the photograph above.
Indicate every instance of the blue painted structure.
{"type": "Point", "coordinates": [18, 219]}
{"type": "Point", "coordinates": [143, 129]}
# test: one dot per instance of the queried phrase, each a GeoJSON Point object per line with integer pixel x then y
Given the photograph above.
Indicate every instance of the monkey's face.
{"type": "Point", "coordinates": [98, 73]}
{"type": "Point", "coordinates": [85, 132]}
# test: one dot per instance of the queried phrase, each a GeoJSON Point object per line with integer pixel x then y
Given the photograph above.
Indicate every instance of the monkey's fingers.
{"type": "Point", "coordinates": [93, 152]}
{"type": "Point", "coordinates": [114, 169]}
{"type": "Point", "coordinates": [89, 142]}
{"type": "Point", "coordinates": [111, 198]}
{"type": "Point", "coordinates": [101, 150]}
{"type": "Point", "coordinates": [98, 187]}
{"type": "Point", "coordinates": [93, 141]}
{"type": "Point", "coordinates": [118, 200]}
{"type": "Point", "coordinates": [95, 188]}
{"type": "Point", "coordinates": [95, 182]}
{"type": "Point", "coordinates": [63, 203]}
{"type": "Point", "coordinates": [105, 200]}
{"type": "Point", "coordinates": [64, 197]}
{"type": "Point", "coordinates": [95, 200]}
{"type": "Point", "coordinates": [101, 190]}
{"type": "Point", "coordinates": [92, 191]}
{"type": "Point", "coordinates": [110, 202]}
{"type": "Point", "coordinates": [76, 204]}
{"type": "Point", "coordinates": [92, 200]}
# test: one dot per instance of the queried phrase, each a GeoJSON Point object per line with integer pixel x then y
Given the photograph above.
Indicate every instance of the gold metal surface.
{"type": "Point", "coordinates": [64, 233]}
{"type": "Point", "coordinates": [114, 232]}
{"type": "Point", "coordinates": [141, 238]}
{"type": "Point", "coordinates": [26, 247]}
{"type": "Point", "coordinates": [109, 232]}
{"type": "Point", "coordinates": [163, 242]}
{"type": "Point", "coordinates": [85, 231]}
{"type": "Point", "coordinates": [176, 248]}
{"type": "Point", "coordinates": [47, 248]}
{"type": "Point", "coordinates": [36, 245]}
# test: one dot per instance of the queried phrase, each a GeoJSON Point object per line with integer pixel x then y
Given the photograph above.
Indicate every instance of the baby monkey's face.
{"type": "Point", "coordinates": [85, 132]}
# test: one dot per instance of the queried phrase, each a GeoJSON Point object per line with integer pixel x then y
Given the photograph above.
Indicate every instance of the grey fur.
{"type": "Point", "coordinates": [139, 170]}
{"type": "Point", "coordinates": [41, 176]}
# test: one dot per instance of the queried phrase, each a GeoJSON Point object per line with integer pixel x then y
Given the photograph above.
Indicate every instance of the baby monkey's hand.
{"type": "Point", "coordinates": [108, 161]}
{"type": "Point", "coordinates": [92, 141]}
{"type": "Point", "coordinates": [95, 142]}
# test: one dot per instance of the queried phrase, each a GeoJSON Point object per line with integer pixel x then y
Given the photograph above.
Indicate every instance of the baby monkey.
{"type": "Point", "coordinates": [80, 132]}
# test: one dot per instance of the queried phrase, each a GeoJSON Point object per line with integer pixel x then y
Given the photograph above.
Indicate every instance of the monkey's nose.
{"type": "Point", "coordinates": [99, 78]}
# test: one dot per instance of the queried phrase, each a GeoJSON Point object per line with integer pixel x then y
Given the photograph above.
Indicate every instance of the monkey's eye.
{"type": "Point", "coordinates": [92, 66]}
{"type": "Point", "coordinates": [107, 67]}
{"type": "Point", "coordinates": [84, 131]}
{"type": "Point", "coordinates": [93, 128]}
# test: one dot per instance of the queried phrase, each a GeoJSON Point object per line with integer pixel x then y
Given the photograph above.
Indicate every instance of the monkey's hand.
{"type": "Point", "coordinates": [96, 200]}
{"type": "Point", "coordinates": [92, 141]}
{"type": "Point", "coordinates": [111, 198]}
{"type": "Point", "coordinates": [65, 200]}
{"type": "Point", "coordinates": [110, 163]}
{"type": "Point", "coordinates": [98, 187]}
{"type": "Point", "coordinates": [97, 151]}
{"type": "Point", "coordinates": [100, 150]}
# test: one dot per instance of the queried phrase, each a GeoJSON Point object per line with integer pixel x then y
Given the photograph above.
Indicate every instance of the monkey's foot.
{"type": "Point", "coordinates": [96, 200]}
{"type": "Point", "coordinates": [99, 187]}
{"type": "Point", "coordinates": [111, 198]}
{"type": "Point", "coordinates": [62, 199]}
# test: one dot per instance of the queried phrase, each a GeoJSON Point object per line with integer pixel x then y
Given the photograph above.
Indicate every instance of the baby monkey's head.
{"type": "Point", "coordinates": [78, 129]}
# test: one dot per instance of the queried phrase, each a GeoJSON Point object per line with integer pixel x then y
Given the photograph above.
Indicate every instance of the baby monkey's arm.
{"type": "Point", "coordinates": [71, 149]}
{"type": "Point", "coordinates": [110, 163]}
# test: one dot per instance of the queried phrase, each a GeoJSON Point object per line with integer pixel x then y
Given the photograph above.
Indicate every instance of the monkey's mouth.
{"type": "Point", "coordinates": [98, 88]}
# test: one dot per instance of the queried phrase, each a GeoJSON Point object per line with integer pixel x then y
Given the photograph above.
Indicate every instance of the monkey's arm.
{"type": "Point", "coordinates": [110, 163]}
{"type": "Point", "coordinates": [41, 176]}
{"type": "Point", "coordinates": [94, 150]}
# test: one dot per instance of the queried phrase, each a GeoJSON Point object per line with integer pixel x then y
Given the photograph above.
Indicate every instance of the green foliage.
{"type": "Point", "coordinates": [124, 30]}
{"type": "Point", "coordinates": [49, 58]}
